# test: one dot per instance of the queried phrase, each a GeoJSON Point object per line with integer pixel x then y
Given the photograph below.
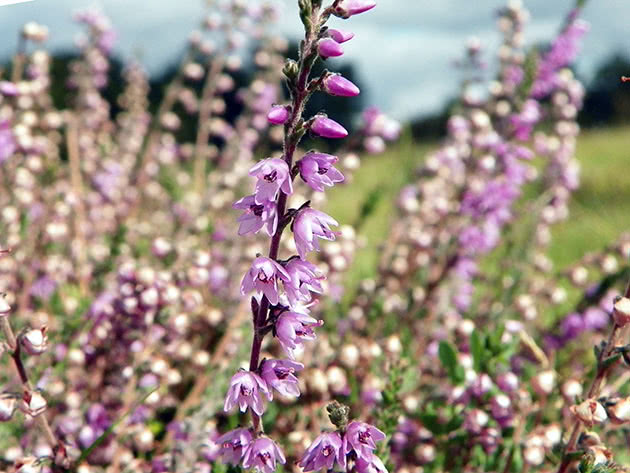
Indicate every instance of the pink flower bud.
{"type": "Point", "coordinates": [336, 84]}
{"type": "Point", "coordinates": [327, 128]}
{"type": "Point", "coordinates": [278, 115]}
{"type": "Point", "coordinates": [340, 36]}
{"type": "Point", "coordinates": [348, 8]}
{"type": "Point", "coordinates": [35, 341]}
{"type": "Point", "coordinates": [328, 47]}
{"type": "Point", "coordinates": [8, 89]}
{"type": "Point", "coordinates": [8, 404]}
{"type": "Point", "coordinates": [621, 311]}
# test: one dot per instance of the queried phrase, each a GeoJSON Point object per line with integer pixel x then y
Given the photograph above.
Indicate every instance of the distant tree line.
{"type": "Point", "coordinates": [607, 100]}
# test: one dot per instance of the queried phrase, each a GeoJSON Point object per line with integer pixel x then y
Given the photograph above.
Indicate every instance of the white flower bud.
{"type": "Point", "coordinates": [35, 341]}
{"type": "Point", "coordinates": [621, 311]}
{"type": "Point", "coordinates": [589, 412]}
{"type": "Point", "coordinates": [5, 308]}
{"type": "Point", "coordinates": [543, 383]}
{"type": "Point", "coordinates": [619, 412]}
{"type": "Point", "coordinates": [8, 405]}
{"type": "Point", "coordinates": [33, 403]}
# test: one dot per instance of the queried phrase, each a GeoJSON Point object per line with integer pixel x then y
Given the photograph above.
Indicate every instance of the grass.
{"type": "Point", "coordinates": [600, 210]}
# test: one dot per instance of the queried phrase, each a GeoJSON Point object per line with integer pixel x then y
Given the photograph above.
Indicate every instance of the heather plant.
{"type": "Point", "coordinates": [154, 318]}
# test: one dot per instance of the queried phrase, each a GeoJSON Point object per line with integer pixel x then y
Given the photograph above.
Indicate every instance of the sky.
{"type": "Point", "coordinates": [403, 49]}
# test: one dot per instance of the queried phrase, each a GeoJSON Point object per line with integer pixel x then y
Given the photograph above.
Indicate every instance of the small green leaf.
{"type": "Point", "coordinates": [448, 357]}
{"type": "Point", "coordinates": [610, 361]}
{"type": "Point", "coordinates": [477, 349]}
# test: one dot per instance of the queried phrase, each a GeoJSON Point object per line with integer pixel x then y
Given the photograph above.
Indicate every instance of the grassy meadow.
{"type": "Point", "coordinates": [600, 209]}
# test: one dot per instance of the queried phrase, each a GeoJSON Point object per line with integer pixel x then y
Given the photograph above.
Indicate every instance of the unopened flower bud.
{"type": "Point", "coordinates": [347, 8]}
{"type": "Point", "coordinates": [543, 383]}
{"type": "Point", "coordinates": [33, 403]}
{"type": "Point", "coordinates": [621, 311]}
{"type": "Point", "coordinates": [619, 412]}
{"type": "Point", "coordinates": [328, 47]}
{"type": "Point", "coordinates": [278, 115]}
{"type": "Point", "coordinates": [8, 405]}
{"type": "Point", "coordinates": [327, 128]}
{"type": "Point", "coordinates": [336, 84]}
{"type": "Point", "coordinates": [5, 308]}
{"type": "Point", "coordinates": [589, 412]}
{"type": "Point", "coordinates": [35, 341]}
{"type": "Point", "coordinates": [340, 36]}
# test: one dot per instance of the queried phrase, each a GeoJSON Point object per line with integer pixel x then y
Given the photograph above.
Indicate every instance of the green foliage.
{"type": "Point", "coordinates": [448, 356]}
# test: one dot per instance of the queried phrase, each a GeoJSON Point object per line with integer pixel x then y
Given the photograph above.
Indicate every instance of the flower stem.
{"type": "Point", "coordinates": [291, 140]}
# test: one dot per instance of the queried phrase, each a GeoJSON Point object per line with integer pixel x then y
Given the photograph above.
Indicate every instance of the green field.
{"type": "Point", "coordinates": [600, 210]}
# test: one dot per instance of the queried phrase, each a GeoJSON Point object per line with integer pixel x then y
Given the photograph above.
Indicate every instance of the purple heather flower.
{"type": "Point", "coordinates": [374, 144]}
{"type": "Point", "coordinates": [278, 374]}
{"type": "Point", "coordinates": [328, 47]}
{"type": "Point", "coordinates": [263, 277]}
{"type": "Point", "coordinates": [305, 278]}
{"type": "Point", "coordinates": [309, 225]}
{"type": "Point", "coordinates": [245, 391]}
{"type": "Point", "coordinates": [262, 455]}
{"type": "Point", "coordinates": [372, 465]}
{"type": "Point", "coordinates": [336, 84]}
{"type": "Point", "coordinates": [7, 141]}
{"type": "Point", "coordinates": [323, 452]}
{"type": "Point", "coordinates": [348, 8]}
{"type": "Point", "coordinates": [273, 174]}
{"type": "Point", "coordinates": [278, 115]}
{"type": "Point", "coordinates": [361, 438]}
{"type": "Point", "coordinates": [8, 89]}
{"type": "Point", "coordinates": [317, 170]}
{"type": "Point", "coordinates": [293, 328]}
{"type": "Point", "coordinates": [256, 216]}
{"type": "Point", "coordinates": [340, 36]}
{"type": "Point", "coordinates": [327, 128]}
{"type": "Point", "coordinates": [233, 445]}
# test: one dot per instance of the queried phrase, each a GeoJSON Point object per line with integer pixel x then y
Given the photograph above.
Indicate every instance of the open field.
{"type": "Point", "coordinates": [600, 209]}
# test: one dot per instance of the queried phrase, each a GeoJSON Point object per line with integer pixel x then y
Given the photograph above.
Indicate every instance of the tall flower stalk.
{"type": "Point", "coordinates": [284, 314]}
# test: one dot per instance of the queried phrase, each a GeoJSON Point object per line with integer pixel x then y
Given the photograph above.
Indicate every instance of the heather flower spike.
{"type": "Point", "coordinates": [327, 128]}
{"type": "Point", "coordinates": [279, 115]}
{"type": "Point", "coordinates": [246, 390]}
{"type": "Point", "coordinates": [336, 84]}
{"type": "Point", "coordinates": [273, 175]}
{"type": "Point", "coordinates": [263, 276]}
{"type": "Point", "coordinates": [267, 208]}
{"type": "Point", "coordinates": [328, 47]}
{"type": "Point", "coordinates": [317, 170]}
